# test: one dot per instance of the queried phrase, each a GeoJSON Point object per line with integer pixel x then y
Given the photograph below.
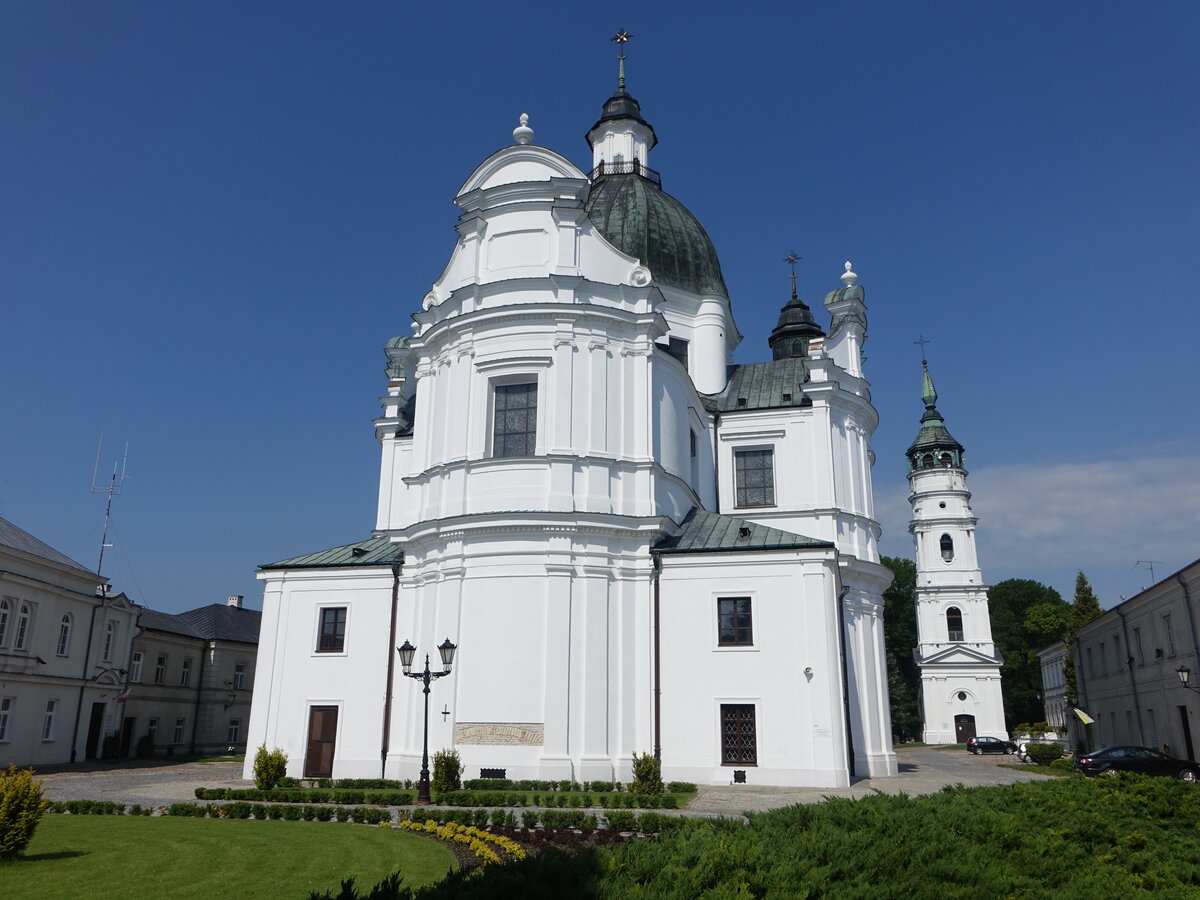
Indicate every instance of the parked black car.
{"type": "Point", "coordinates": [1142, 760]}
{"type": "Point", "coordinates": [982, 745]}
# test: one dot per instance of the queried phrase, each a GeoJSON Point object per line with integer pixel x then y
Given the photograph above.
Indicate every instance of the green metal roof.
{"type": "Point", "coordinates": [934, 437]}
{"type": "Point", "coordinates": [764, 386]}
{"type": "Point", "coordinates": [710, 532]}
{"type": "Point", "coordinates": [641, 220]}
{"type": "Point", "coordinates": [372, 552]}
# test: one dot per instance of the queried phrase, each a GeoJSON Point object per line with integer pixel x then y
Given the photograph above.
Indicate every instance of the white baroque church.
{"type": "Point", "coordinates": [635, 545]}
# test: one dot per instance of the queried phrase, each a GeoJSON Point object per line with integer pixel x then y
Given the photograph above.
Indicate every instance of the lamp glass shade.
{"type": "Point", "coordinates": [407, 651]}
{"type": "Point", "coordinates": [1184, 674]}
{"type": "Point", "coordinates": [447, 650]}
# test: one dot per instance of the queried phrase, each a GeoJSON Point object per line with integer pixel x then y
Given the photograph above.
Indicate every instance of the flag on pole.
{"type": "Point", "coordinates": [123, 696]}
{"type": "Point", "coordinates": [1084, 717]}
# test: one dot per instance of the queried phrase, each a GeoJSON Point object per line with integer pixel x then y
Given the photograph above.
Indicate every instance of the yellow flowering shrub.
{"type": "Point", "coordinates": [482, 843]}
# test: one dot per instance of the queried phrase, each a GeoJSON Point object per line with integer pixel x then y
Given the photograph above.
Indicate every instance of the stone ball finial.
{"type": "Point", "coordinates": [848, 277]}
{"type": "Point", "coordinates": [523, 134]}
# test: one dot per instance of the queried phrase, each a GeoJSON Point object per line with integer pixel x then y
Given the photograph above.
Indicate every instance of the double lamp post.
{"type": "Point", "coordinates": [407, 651]}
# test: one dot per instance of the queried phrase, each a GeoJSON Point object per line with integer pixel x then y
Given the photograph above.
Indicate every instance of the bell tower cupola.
{"type": "Point", "coordinates": [621, 140]}
{"type": "Point", "coordinates": [796, 326]}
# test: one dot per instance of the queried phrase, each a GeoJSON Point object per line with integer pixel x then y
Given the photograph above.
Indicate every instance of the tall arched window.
{"type": "Point", "coordinates": [64, 636]}
{"type": "Point", "coordinates": [947, 544]}
{"type": "Point", "coordinates": [954, 626]}
{"type": "Point", "coordinates": [22, 635]}
{"type": "Point", "coordinates": [110, 638]}
{"type": "Point", "coordinates": [5, 609]}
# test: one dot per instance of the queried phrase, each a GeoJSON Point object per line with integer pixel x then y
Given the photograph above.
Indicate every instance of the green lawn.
{"type": "Point", "coordinates": [99, 857]}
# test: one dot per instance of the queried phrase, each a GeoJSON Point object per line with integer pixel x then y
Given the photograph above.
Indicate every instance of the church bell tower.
{"type": "Point", "coordinates": [959, 665]}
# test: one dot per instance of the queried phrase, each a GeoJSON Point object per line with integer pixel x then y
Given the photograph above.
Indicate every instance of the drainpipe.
{"type": "Point", "coordinates": [87, 654]}
{"type": "Point", "coordinates": [1137, 706]}
{"type": "Point", "coordinates": [391, 668]}
{"type": "Point", "coordinates": [207, 647]}
{"type": "Point", "coordinates": [654, 579]}
{"type": "Point", "coordinates": [841, 613]}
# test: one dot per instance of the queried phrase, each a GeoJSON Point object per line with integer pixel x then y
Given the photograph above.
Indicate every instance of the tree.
{"type": "Point", "coordinates": [900, 639]}
{"type": "Point", "coordinates": [1026, 617]}
{"type": "Point", "coordinates": [1086, 607]}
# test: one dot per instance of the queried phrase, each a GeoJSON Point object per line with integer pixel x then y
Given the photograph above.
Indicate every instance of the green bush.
{"type": "Point", "coordinates": [530, 818]}
{"type": "Point", "coordinates": [647, 775]}
{"type": "Point", "coordinates": [681, 787]}
{"type": "Point", "coordinates": [447, 770]}
{"type": "Point", "coordinates": [186, 809]}
{"type": "Point", "coordinates": [1044, 754]}
{"type": "Point", "coordinates": [269, 767]}
{"type": "Point", "coordinates": [1065, 764]}
{"type": "Point", "coordinates": [621, 820]}
{"type": "Point", "coordinates": [21, 808]}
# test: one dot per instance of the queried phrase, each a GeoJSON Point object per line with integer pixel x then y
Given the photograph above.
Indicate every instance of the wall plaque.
{"type": "Point", "coordinates": [529, 734]}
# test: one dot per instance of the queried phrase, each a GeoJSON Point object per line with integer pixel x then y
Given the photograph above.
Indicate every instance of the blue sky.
{"type": "Point", "coordinates": [215, 215]}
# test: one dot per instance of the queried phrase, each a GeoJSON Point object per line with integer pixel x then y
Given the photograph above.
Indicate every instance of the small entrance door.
{"type": "Point", "coordinates": [964, 728]}
{"type": "Point", "coordinates": [94, 731]}
{"type": "Point", "coordinates": [127, 725]}
{"type": "Point", "coordinates": [322, 732]}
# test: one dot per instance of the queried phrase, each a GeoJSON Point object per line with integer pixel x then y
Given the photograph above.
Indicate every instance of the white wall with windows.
{"type": "Point", "coordinates": [64, 652]}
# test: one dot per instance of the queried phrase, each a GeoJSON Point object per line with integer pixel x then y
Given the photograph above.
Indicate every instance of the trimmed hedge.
{"type": "Point", "coordinates": [310, 795]}
{"type": "Point", "coordinates": [1043, 754]}
{"type": "Point", "coordinates": [557, 799]}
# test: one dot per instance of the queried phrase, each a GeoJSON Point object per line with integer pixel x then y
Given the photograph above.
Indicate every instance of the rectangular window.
{"type": "Point", "coordinates": [135, 667]}
{"type": "Point", "coordinates": [754, 477]}
{"type": "Point", "coordinates": [48, 721]}
{"type": "Point", "coordinates": [734, 627]}
{"type": "Point", "coordinates": [739, 742]}
{"type": "Point", "coordinates": [692, 444]}
{"type": "Point", "coordinates": [185, 674]}
{"type": "Point", "coordinates": [64, 637]}
{"type": "Point", "coordinates": [1170, 635]}
{"type": "Point", "coordinates": [1117, 652]}
{"type": "Point", "coordinates": [22, 637]}
{"type": "Point", "coordinates": [239, 677]}
{"type": "Point", "coordinates": [514, 430]}
{"type": "Point", "coordinates": [6, 606]}
{"type": "Point", "coordinates": [177, 738]}
{"type": "Point", "coordinates": [332, 638]}
{"type": "Point", "coordinates": [110, 640]}
{"type": "Point", "coordinates": [1137, 640]}
{"type": "Point", "coordinates": [5, 711]}
{"type": "Point", "coordinates": [235, 731]}
{"type": "Point", "coordinates": [1103, 659]}
{"type": "Point", "coordinates": [152, 727]}
{"type": "Point", "coordinates": [160, 669]}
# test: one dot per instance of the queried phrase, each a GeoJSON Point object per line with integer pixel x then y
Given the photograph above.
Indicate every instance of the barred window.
{"type": "Point", "coordinates": [734, 627]}
{"type": "Point", "coordinates": [739, 740]}
{"type": "Point", "coordinates": [514, 430]}
{"type": "Point", "coordinates": [754, 477]}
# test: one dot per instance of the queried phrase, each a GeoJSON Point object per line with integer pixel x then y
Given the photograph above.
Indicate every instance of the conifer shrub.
{"type": "Point", "coordinates": [1044, 754]}
{"type": "Point", "coordinates": [447, 771]}
{"type": "Point", "coordinates": [21, 809]}
{"type": "Point", "coordinates": [621, 820]}
{"type": "Point", "coordinates": [269, 767]}
{"type": "Point", "coordinates": [647, 775]}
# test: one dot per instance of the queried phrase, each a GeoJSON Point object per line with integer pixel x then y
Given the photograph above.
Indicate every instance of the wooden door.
{"type": "Point", "coordinates": [964, 728]}
{"type": "Point", "coordinates": [322, 733]}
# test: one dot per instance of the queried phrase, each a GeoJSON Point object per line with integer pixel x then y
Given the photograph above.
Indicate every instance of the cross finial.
{"type": "Point", "coordinates": [922, 341]}
{"type": "Point", "coordinates": [621, 38]}
{"type": "Point", "coordinates": [791, 259]}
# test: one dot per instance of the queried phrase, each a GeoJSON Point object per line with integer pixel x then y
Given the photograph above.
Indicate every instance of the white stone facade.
{"type": "Point", "coordinates": [603, 596]}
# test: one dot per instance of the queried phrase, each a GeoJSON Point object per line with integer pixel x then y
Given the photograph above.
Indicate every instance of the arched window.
{"type": "Point", "coordinates": [64, 636]}
{"type": "Point", "coordinates": [22, 635]}
{"type": "Point", "coordinates": [945, 460]}
{"type": "Point", "coordinates": [5, 609]}
{"type": "Point", "coordinates": [954, 626]}
{"type": "Point", "coordinates": [947, 544]}
{"type": "Point", "coordinates": [927, 461]}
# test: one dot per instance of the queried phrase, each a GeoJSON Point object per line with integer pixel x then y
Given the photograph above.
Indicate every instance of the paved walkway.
{"type": "Point", "coordinates": [161, 783]}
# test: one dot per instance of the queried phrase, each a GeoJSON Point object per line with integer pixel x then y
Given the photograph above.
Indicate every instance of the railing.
{"type": "Point", "coordinates": [626, 168]}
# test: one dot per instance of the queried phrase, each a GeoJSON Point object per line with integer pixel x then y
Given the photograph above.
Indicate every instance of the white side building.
{"type": "Point", "coordinates": [636, 546]}
{"type": "Point", "coordinates": [959, 664]}
{"type": "Point", "coordinates": [64, 654]}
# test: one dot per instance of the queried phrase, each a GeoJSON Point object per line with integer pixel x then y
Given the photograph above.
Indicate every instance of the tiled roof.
{"type": "Point", "coordinates": [710, 532]}
{"type": "Point", "coordinates": [153, 620]}
{"type": "Point", "coordinates": [371, 552]}
{"type": "Point", "coordinates": [221, 622]}
{"type": "Point", "coordinates": [763, 386]}
{"type": "Point", "coordinates": [20, 539]}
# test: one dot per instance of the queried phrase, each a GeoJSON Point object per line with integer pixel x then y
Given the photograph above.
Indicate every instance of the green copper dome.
{"type": "Point", "coordinates": [641, 220]}
{"type": "Point", "coordinates": [934, 446]}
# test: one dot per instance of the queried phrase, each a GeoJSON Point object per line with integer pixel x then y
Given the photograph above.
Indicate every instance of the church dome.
{"type": "Point", "coordinates": [641, 220]}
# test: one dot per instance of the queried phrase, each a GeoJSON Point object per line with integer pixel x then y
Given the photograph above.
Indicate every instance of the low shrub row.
{"type": "Point", "coordinates": [595, 787]}
{"type": "Point", "coordinates": [97, 808]}
{"type": "Point", "coordinates": [361, 784]}
{"type": "Point", "coordinates": [292, 812]}
{"type": "Point", "coordinates": [486, 846]}
{"type": "Point", "coordinates": [560, 800]}
{"type": "Point", "coordinates": [309, 795]}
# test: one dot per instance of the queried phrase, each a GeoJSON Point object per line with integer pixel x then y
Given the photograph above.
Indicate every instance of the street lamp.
{"type": "Point", "coordinates": [407, 651]}
{"type": "Point", "coordinates": [1184, 674]}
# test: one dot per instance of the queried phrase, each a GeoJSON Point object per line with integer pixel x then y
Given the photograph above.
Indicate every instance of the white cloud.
{"type": "Point", "coordinates": [1054, 519]}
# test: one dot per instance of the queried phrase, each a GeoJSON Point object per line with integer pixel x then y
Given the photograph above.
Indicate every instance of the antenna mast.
{"type": "Point", "coordinates": [115, 486]}
{"type": "Point", "coordinates": [1150, 563]}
